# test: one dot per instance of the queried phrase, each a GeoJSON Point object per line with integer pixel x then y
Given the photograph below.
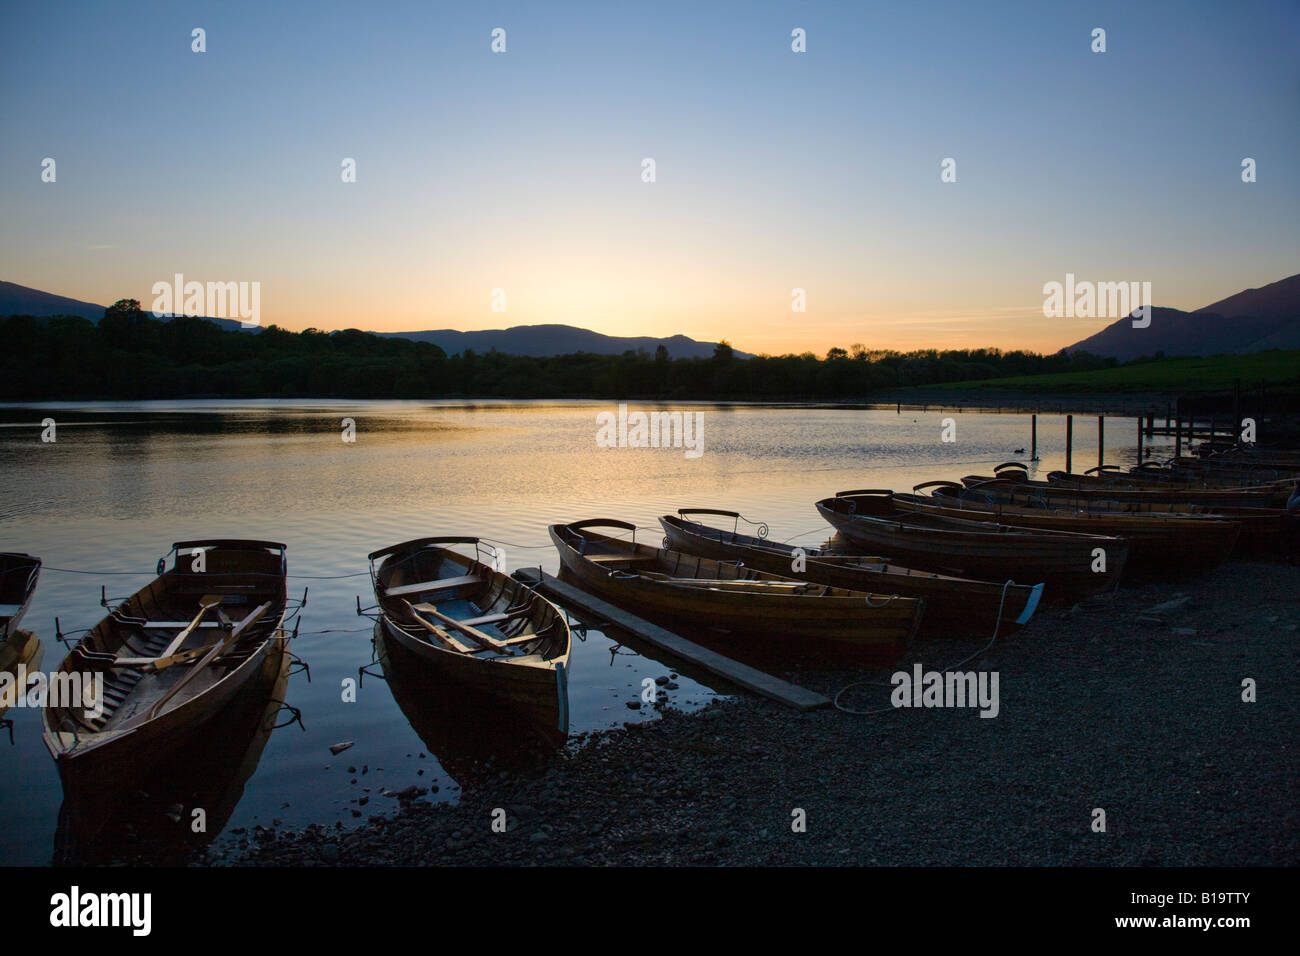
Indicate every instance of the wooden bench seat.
{"type": "Point", "coordinates": [420, 587]}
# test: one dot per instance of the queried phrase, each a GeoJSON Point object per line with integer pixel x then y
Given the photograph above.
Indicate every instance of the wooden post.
{"type": "Point", "coordinates": [1101, 441]}
{"type": "Point", "coordinates": [1178, 435]}
{"type": "Point", "coordinates": [1139, 439]}
{"type": "Point", "coordinates": [1151, 424]}
{"type": "Point", "coordinates": [1033, 438]}
{"type": "Point", "coordinates": [1069, 443]}
{"type": "Point", "coordinates": [1236, 410]}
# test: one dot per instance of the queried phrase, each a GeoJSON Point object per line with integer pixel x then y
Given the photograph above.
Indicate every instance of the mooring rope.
{"type": "Point", "coordinates": [303, 577]}
{"type": "Point", "coordinates": [875, 683]}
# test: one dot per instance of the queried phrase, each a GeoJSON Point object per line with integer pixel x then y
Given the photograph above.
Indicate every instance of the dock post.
{"type": "Point", "coordinates": [1139, 440]}
{"type": "Point", "coordinates": [1069, 443]}
{"type": "Point", "coordinates": [1178, 436]}
{"type": "Point", "coordinates": [1101, 441]}
{"type": "Point", "coordinates": [1151, 424]}
{"type": "Point", "coordinates": [1236, 411]}
{"type": "Point", "coordinates": [1033, 437]}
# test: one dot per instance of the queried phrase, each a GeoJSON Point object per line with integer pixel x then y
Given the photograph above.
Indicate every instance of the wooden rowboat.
{"type": "Point", "coordinates": [1268, 497]}
{"type": "Point", "coordinates": [663, 584]}
{"type": "Point", "coordinates": [18, 575]}
{"type": "Point", "coordinates": [153, 826]}
{"type": "Point", "coordinates": [165, 663]}
{"type": "Point", "coordinates": [475, 625]}
{"type": "Point", "coordinates": [1261, 528]}
{"type": "Point", "coordinates": [951, 603]}
{"type": "Point", "coordinates": [873, 519]}
{"type": "Point", "coordinates": [1223, 475]}
{"type": "Point", "coordinates": [1157, 543]}
{"type": "Point", "coordinates": [1151, 476]}
{"type": "Point", "coordinates": [436, 708]}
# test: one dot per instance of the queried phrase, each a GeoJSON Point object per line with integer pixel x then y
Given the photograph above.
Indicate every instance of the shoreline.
{"type": "Point", "coordinates": [1116, 704]}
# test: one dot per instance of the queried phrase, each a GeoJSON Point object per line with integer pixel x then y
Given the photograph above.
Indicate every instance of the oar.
{"type": "Point", "coordinates": [485, 639]}
{"type": "Point", "coordinates": [206, 603]}
{"type": "Point", "coordinates": [211, 656]}
{"type": "Point", "coordinates": [446, 640]}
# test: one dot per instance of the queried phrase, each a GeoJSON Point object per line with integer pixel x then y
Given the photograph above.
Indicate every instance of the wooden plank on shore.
{"type": "Point", "coordinates": [733, 671]}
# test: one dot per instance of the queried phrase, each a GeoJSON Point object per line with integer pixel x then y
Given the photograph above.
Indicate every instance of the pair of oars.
{"type": "Point", "coordinates": [213, 654]}
{"type": "Point", "coordinates": [486, 640]}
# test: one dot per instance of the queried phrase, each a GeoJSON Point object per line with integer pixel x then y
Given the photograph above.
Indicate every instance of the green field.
{"type": "Point", "coordinates": [1183, 375]}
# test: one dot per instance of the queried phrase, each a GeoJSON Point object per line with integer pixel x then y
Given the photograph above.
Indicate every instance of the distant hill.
{"type": "Point", "coordinates": [543, 340]}
{"type": "Point", "coordinates": [533, 340]}
{"type": "Point", "coordinates": [20, 300]}
{"type": "Point", "coordinates": [1277, 300]}
{"type": "Point", "coordinates": [1251, 321]}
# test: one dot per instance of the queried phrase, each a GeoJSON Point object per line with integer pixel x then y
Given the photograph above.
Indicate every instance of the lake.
{"type": "Point", "coordinates": [122, 481]}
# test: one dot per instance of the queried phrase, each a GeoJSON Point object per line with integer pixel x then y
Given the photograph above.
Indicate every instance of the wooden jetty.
{"type": "Point", "coordinates": [733, 671]}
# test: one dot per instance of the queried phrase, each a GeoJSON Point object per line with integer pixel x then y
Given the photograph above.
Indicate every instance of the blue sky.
{"type": "Point", "coordinates": [775, 170]}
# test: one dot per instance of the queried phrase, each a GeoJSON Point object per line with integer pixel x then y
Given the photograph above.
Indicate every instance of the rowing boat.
{"type": "Point", "coordinates": [154, 825]}
{"type": "Point", "coordinates": [1071, 564]}
{"type": "Point", "coordinates": [1261, 528]}
{"type": "Point", "coordinates": [18, 575]}
{"type": "Point", "coordinates": [473, 624]}
{"type": "Point", "coordinates": [670, 585]}
{"type": "Point", "coordinates": [1267, 497]}
{"type": "Point", "coordinates": [165, 663]}
{"type": "Point", "coordinates": [951, 603]}
{"type": "Point", "coordinates": [1157, 543]}
{"type": "Point", "coordinates": [1159, 477]}
{"type": "Point", "coordinates": [436, 708]}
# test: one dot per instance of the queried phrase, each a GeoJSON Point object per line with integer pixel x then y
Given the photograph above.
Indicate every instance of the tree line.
{"type": "Point", "coordinates": [130, 355]}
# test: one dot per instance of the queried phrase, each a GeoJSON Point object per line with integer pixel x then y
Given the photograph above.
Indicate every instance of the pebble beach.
{"type": "Point", "coordinates": [1130, 704]}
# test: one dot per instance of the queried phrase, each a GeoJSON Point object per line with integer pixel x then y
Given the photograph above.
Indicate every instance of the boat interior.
{"type": "Point", "coordinates": [185, 630]}
{"type": "Point", "coordinates": [459, 603]}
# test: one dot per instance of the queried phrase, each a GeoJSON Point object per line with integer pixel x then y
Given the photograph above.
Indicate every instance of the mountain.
{"type": "Point", "coordinates": [1277, 300]}
{"type": "Point", "coordinates": [534, 340]}
{"type": "Point", "coordinates": [20, 300]}
{"type": "Point", "coordinates": [1250, 321]}
{"type": "Point", "coordinates": [543, 340]}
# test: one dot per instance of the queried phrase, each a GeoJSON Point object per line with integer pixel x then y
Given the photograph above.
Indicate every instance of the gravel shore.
{"type": "Point", "coordinates": [1109, 705]}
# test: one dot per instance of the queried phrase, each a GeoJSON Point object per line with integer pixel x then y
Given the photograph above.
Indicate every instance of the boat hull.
{"type": "Point", "coordinates": [877, 625]}
{"type": "Point", "coordinates": [1158, 544]}
{"type": "Point", "coordinates": [1065, 562]}
{"type": "Point", "coordinates": [533, 682]}
{"type": "Point", "coordinates": [952, 604]}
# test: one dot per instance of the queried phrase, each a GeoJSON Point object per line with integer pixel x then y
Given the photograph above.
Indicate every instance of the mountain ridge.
{"type": "Point", "coordinates": [1253, 320]}
{"type": "Point", "coordinates": [534, 341]}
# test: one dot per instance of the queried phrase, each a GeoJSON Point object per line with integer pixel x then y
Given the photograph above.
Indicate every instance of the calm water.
{"type": "Point", "coordinates": [125, 480]}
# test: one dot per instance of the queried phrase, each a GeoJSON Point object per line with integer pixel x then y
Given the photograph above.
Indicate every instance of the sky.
{"type": "Point", "coordinates": [774, 170]}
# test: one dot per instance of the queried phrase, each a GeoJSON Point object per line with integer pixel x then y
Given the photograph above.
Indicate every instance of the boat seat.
{"type": "Point", "coordinates": [620, 559]}
{"type": "Point", "coordinates": [494, 618]}
{"type": "Point", "coordinates": [164, 625]}
{"type": "Point", "coordinates": [420, 587]}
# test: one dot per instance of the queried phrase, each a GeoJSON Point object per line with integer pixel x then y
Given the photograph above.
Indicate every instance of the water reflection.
{"type": "Point", "coordinates": [473, 735]}
{"type": "Point", "coordinates": [158, 823]}
{"type": "Point", "coordinates": [22, 649]}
